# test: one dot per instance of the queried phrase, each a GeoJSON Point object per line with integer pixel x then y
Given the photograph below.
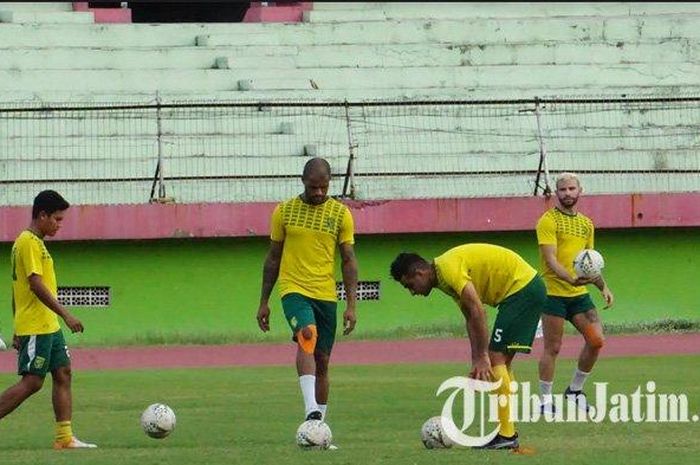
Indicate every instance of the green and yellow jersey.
{"type": "Point", "coordinates": [495, 272]}
{"type": "Point", "coordinates": [29, 256]}
{"type": "Point", "coordinates": [569, 234]}
{"type": "Point", "coordinates": [311, 234]}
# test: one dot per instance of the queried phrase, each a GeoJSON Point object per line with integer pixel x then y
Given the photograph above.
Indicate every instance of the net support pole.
{"type": "Point", "coordinates": [349, 183]}
{"type": "Point", "coordinates": [543, 169]}
{"type": "Point", "coordinates": [161, 176]}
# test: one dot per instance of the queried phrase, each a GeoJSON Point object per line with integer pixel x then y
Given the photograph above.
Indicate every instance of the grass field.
{"type": "Point", "coordinates": [249, 415]}
{"type": "Point", "coordinates": [207, 291]}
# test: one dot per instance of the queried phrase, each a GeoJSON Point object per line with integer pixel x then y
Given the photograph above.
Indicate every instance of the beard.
{"type": "Point", "coordinates": [568, 202]}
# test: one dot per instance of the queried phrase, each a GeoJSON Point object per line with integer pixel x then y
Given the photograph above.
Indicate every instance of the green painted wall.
{"type": "Point", "coordinates": [208, 290]}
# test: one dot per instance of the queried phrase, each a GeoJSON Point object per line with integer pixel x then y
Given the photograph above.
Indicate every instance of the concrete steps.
{"type": "Point", "coordinates": [42, 12]}
{"type": "Point", "coordinates": [348, 56]}
{"type": "Point", "coordinates": [37, 7]}
{"type": "Point", "coordinates": [30, 17]}
{"type": "Point", "coordinates": [536, 77]}
{"type": "Point", "coordinates": [467, 34]}
{"type": "Point", "coordinates": [470, 32]}
{"type": "Point", "coordinates": [464, 10]}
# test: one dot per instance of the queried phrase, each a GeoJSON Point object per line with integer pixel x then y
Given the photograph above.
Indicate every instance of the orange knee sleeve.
{"type": "Point", "coordinates": [593, 337]}
{"type": "Point", "coordinates": [307, 344]}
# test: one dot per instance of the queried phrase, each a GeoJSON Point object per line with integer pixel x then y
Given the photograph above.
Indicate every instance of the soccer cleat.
{"type": "Point", "coordinates": [577, 397]}
{"type": "Point", "coordinates": [3, 346]}
{"type": "Point", "coordinates": [74, 443]}
{"type": "Point", "coordinates": [315, 415]}
{"type": "Point", "coordinates": [332, 447]}
{"type": "Point", "coordinates": [548, 409]}
{"type": "Point", "coordinates": [501, 442]}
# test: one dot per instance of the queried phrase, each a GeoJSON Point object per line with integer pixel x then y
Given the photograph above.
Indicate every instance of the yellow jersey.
{"type": "Point", "coordinates": [569, 234]}
{"type": "Point", "coordinates": [311, 234]}
{"type": "Point", "coordinates": [495, 272]}
{"type": "Point", "coordinates": [29, 256]}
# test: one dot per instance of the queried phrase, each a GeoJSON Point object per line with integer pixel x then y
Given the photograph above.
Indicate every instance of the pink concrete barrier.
{"type": "Point", "coordinates": [105, 15]}
{"type": "Point", "coordinates": [276, 12]}
{"type": "Point", "coordinates": [153, 221]}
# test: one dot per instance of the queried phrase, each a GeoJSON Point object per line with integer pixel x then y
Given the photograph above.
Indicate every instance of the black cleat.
{"type": "Point", "coordinates": [315, 415]}
{"type": "Point", "coordinates": [501, 442]}
{"type": "Point", "coordinates": [577, 397]}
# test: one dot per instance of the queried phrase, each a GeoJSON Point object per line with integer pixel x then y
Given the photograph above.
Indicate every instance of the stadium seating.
{"type": "Point", "coordinates": [356, 51]}
{"type": "Point", "coordinates": [345, 51]}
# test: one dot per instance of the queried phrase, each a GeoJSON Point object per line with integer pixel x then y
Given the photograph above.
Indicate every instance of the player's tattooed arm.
{"type": "Point", "coordinates": [604, 290]}
{"type": "Point", "coordinates": [271, 270]}
{"type": "Point", "coordinates": [549, 252]}
{"type": "Point", "coordinates": [349, 268]}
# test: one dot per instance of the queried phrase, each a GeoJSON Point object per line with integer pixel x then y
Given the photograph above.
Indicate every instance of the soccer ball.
{"type": "Point", "coordinates": [314, 434]}
{"type": "Point", "coordinates": [433, 436]}
{"type": "Point", "coordinates": [158, 421]}
{"type": "Point", "coordinates": [588, 263]}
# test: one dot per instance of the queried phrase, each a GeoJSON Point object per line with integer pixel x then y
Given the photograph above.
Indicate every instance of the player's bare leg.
{"type": "Point", "coordinates": [589, 325]}
{"type": "Point", "coordinates": [591, 328]}
{"type": "Point", "coordinates": [322, 380]}
{"type": "Point", "coordinates": [306, 369]}
{"type": "Point", "coordinates": [61, 395]}
{"type": "Point", "coordinates": [306, 365]}
{"type": "Point", "coordinates": [322, 385]}
{"type": "Point", "coordinates": [506, 438]}
{"type": "Point", "coordinates": [553, 329]}
{"type": "Point", "coordinates": [15, 395]}
{"type": "Point", "coordinates": [62, 399]}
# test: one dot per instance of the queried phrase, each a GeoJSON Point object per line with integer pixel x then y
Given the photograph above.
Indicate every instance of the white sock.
{"type": "Point", "coordinates": [308, 390]}
{"type": "Point", "coordinates": [323, 408]}
{"type": "Point", "coordinates": [578, 380]}
{"type": "Point", "coordinates": [546, 391]}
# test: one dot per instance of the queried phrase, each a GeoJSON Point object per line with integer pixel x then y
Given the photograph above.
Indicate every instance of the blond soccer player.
{"type": "Point", "coordinates": [562, 232]}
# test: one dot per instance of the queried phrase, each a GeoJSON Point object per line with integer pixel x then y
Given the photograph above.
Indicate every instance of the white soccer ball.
{"type": "Point", "coordinates": [588, 263]}
{"type": "Point", "coordinates": [314, 434]}
{"type": "Point", "coordinates": [158, 421]}
{"type": "Point", "coordinates": [433, 436]}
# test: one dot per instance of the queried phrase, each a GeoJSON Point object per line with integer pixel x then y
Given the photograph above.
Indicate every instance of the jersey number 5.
{"type": "Point", "coordinates": [497, 335]}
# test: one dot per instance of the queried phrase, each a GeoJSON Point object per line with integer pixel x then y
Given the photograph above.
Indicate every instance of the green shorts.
{"type": "Point", "coordinates": [301, 311]}
{"type": "Point", "coordinates": [518, 315]}
{"type": "Point", "coordinates": [42, 353]}
{"type": "Point", "coordinates": [567, 307]}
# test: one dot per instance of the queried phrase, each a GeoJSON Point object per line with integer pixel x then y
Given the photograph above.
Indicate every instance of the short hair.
{"type": "Point", "coordinates": [314, 165]}
{"type": "Point", "coordinates": [405, 264]}
{"type": "Point", "coordinates": [49, 202]}
{"type": "Point", "coordinates": [566, 177]}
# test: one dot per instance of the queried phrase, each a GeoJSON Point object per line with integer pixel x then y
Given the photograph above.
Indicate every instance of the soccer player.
{"type": "Point", "coordinates": [474, 275]}
{"type": "Point", "coordinates": [305, 232]}
{"type": "Point", "coordinates": [562, 232]}
{"type": "Point", "coordinates": [38, 337]}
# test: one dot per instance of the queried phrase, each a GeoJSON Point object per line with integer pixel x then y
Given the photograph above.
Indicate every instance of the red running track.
{"type": "Point", "coordinates": [346, 353]}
